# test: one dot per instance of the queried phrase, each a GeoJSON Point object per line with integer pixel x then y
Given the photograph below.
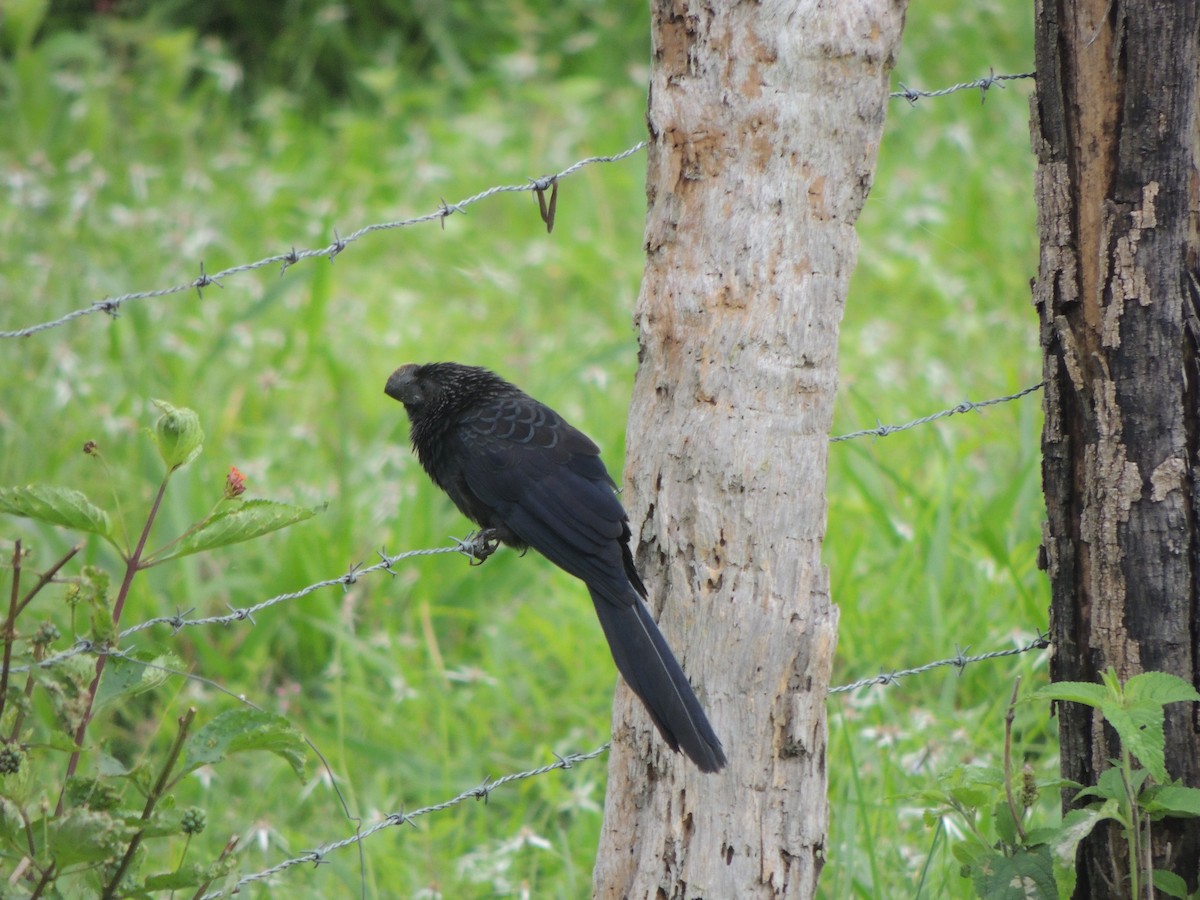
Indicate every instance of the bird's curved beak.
{"type": "Point", "coordinates": [403, 386]}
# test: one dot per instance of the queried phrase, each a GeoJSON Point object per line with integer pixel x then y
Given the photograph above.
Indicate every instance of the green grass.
{"type": "Point", "coordinates": [416, 687]}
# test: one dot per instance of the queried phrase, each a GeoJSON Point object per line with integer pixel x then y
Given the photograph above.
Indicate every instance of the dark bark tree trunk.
{"type": "Point", "coordinates": [764, 120]}
{"type": "Point", "coordinates": [1115, 129]}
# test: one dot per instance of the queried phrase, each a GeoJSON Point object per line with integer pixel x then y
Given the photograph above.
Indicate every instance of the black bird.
{"type": "Point", "coordinates": [514, 466]}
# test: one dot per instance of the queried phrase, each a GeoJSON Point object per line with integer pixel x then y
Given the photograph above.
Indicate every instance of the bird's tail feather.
{"type": "Point", "coordinates": [649, 667]}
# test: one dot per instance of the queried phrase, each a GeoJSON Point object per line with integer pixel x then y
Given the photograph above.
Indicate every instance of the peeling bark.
{"type": "Point", "coordinates": [1116, 120]}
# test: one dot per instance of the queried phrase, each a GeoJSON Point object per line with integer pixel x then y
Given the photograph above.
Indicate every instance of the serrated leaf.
{"type": "Point", "coordinates": [1159, 687]}
{"type": "Point", "coordinates": [1110, 785]}
{"type": "Point", "coordinates": [239, 730]}
{"type": "Point", "coordinates": [134, 673]}
{"type": "Point", "coordinates": [1026, 875]}
{"type": "Point", "coordinates": [970, 853]}
{"type": "Point", "coordinates": [58, 506]}
{"type": "Point", "coordinates": [1170, 884]}
{"type": "Point", "coordinates": [1006, 825]}
{"type": "Point", "coordinates": [1076, 825]}
{"type": "Point", "coordinates": [83, 835]}
{"type": "Point", "coordinates": [243, 522]}
{"type": "Point", "coordinates": [183, 877]}
{"type": "Point", "coordinates": [1173, 800]}
{"type": "Point", "coordinates": [971, 797]}
{"type": "Point", "coordinates": [1140, 727]}
{"type": "Point", "coordinates": [1074, 691]}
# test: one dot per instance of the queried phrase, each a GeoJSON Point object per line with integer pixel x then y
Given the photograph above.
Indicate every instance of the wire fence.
{"type": "Point", "coordinates": [536, 186]}
{"type": "Point", "coordinates": [966, 406]}
{"type": "Point", "coordinates": [475, 547]}
{"type": "Point", "coordinates": [469, 546]}
{"type": "Point", "coordinates": [319, 854]}
{"type": "Point", "coordinates": [983, 85]}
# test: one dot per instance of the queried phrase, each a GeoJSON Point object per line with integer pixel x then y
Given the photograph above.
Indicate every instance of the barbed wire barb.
{"type": "Point", "coordinates": [882, 430]}
{"type": "Point", "coordinates": [112, 305]}
{"type": "Point", "coordinates": [401, 818]}
{"type": "Point", "coordinates": [179, 620]}
{"type": "Point", "coordinates": [339, 245]}
{"type": "Point", "coordinates": [992, 80]}
{"type": "Point", "coordinates": [959, 661]}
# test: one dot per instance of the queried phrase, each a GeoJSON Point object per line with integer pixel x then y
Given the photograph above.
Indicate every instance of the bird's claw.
{"type": "Point", "coordinates": [479, 545]}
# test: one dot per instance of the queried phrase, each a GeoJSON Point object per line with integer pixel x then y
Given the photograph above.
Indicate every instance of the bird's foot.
{"type": "Point", "coordinates": [479, 545]}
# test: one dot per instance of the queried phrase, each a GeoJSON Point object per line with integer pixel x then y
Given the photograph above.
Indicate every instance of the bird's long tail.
{"type": "Point", "coordinates": [650, 668]}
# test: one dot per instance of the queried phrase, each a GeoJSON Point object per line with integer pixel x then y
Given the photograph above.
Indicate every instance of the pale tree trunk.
{"type": "Point", "coordinates": [1116, 128]}
{"type": "Point", "coordinates": [764, 122]}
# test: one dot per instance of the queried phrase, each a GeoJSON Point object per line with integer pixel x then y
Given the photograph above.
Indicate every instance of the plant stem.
{"type": "Point", "coordinates": [47, 877]}
{"type": "Point", "coordinates": [156, 792]}
{"type": "Point", "coordinates": [1008, 791]}
{"type": "Point", "coordinates": [15, 608]}
{"type": "Point", "coordinates": [47, 577]}
{"type": "Point", "coordinates": [230, 846]}
{"type": "Point", "coordinates": [9, 630]}
{"type": "Point", "coordinates": [1134, 829]}
{"type": "Point", "coordinates": [132, 564]}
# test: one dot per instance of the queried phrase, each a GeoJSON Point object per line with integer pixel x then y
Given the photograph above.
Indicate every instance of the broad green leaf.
{"type": "Point", "coordinates": [183, 877]}
{"type": "Point", "coordinates": [1076, 825]}
{"type": "Point", "coordinates": [110, 765]}
{"type": "Point", "coordinates": [1170, 884]}
{"type": "Point", "coordinates": [83, 835]}
{"type": "Point", "coordinates": [971, 797]}
{"type": "Point", "coordinates": [1006, 825]}
{"type": "Point", "coordinates": [1140, 727]}
{"type": "Point", "coordinates": [1075, 691]}
{"type": "Point", "coordinates": [134, 673]}
{"type": "Point", "coordinates": [1172, 800]}
{"type": "Point", "coordinates": [1110, 785]}
{"type": "Point", "coordinates": [243, 522]}
{"type": "Point", "coordinates": [56, 505]}
{"type": "Point", "coordinates": [971, 853]}
{"type": "Point", "coordinates": [1159, 687]}
{"type": "Point", "coordinates": [239, 730]}
{"type": "Point", "coordinates": [1026, 875]}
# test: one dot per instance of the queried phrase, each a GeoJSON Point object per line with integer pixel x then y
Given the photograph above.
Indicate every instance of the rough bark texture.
{"type": "Point", "coordinates": [764, 123]}
{"type": "Point", "coordinates": [1115, 124]}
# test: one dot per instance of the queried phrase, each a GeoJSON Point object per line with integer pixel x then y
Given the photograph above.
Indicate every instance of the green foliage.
{"type": "Point", "coordinates": [324, 52]}
{"type": "Point", "coordinates": [178, 434]}
{"type": "Point", "coordinates": [58, 506]}
{"type": "Point", "coordinates": [82, 834]}
{"type": "Point", "coordinates": [238, 730]}
{"type": "Point", "coordinates": [1007, 858]}
{"type": "Point", "coordinates": [231, 523]}
{"type": "Point", "coordinates": [136, 146]}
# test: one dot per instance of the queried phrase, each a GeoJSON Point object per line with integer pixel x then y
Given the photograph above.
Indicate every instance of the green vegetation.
{"type": "Point", "coordinates": [1008, 854]}
{"type": "Point", "coordinates": [133, 149]}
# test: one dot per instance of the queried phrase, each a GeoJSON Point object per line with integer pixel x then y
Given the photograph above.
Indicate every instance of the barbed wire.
{"type": "Point", "coordinates": [960, 661]}
{"type": "Point", "coordinates": [467, 546]}
{"type": "Point", "coordinates": [112, 305]}
{"type": "Point", "coordinates": [537, 186]}
{"type": "Point", "coordinates": [473, 546]}
{"type": "Point", "coordinates": [966, 406]}
{"type": "Point", "coordinates": [317, 856]}
{"type": "Point", "coordinates": [912, 95]}
{"type": "Point", "coordinates": [481, 792]}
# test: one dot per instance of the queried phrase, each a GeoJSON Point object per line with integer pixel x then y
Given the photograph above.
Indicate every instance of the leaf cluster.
{"type": "Point", "coordinates": [1007, 857]}
{"type": "Point", "coordinates": [74, 814]}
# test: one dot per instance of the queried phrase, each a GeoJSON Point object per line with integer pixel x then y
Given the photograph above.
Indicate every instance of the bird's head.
{"type": "Point", "coordinates": [407, 386]}
{"type": "Point", "coordinates": [443, 388]}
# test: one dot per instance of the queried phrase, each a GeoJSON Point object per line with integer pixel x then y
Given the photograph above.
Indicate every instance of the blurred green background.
{"type": "Point", "coordinates": [140, 139]}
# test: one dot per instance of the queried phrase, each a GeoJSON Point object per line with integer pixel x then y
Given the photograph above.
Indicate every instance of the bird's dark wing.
{"type": "Point", "coordinates": [545, 482]}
